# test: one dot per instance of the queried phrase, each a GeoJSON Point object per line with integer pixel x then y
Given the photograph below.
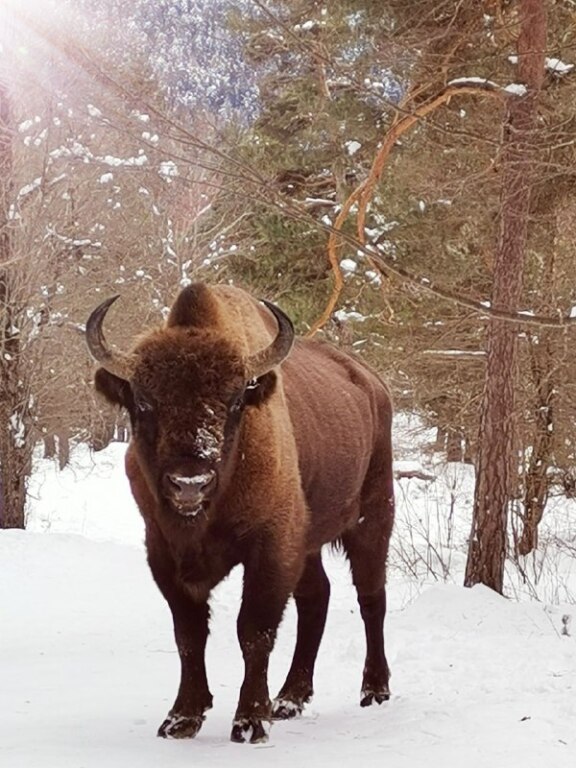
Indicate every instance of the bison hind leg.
{"type": "Point", "coordinates": [379, 696]}
{"type": "Point", "coordinates": [291, 705]}
{"type": "Point", "coordinates": [366, 547]}
{"type": "Point", "coordinates": [311, 595]}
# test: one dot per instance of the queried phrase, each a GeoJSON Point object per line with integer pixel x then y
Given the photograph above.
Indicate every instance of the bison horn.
{"type": "Point", "coordinates": [262, 362]}
{"type": "Point", "coordinates": [118, 363]}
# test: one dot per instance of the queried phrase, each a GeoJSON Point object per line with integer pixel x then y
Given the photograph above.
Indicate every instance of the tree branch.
{"type": "Point", "coordinates": [364, 191]}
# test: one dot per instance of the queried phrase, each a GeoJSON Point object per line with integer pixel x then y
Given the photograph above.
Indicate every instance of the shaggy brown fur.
{"type": "Point", "coordinates": [298, 459]}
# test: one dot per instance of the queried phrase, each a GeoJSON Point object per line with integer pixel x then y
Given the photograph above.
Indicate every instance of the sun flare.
{"type": "Point", "coordinates": [35, 33]}
{"type": "Point", "coordinates": [23, 25]}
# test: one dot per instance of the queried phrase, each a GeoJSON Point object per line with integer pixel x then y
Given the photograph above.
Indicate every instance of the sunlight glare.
{"type": "Point", "coordinates": [22, 24]}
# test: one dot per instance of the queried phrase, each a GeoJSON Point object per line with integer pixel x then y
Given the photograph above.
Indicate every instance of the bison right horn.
{"type": "Point", "coordinates": [262, 362]}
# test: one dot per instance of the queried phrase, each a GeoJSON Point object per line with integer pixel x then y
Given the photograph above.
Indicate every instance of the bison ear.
{"type": "Point", "coordinates": [116, 390]}
{"type": "Point", "coordinates": [260, 390]}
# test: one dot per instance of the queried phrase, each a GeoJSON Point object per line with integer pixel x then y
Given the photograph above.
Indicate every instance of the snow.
{"type": "Point", "coordinates": [30, 187]}
{"type": "Point", "coordinates": [27, 124]}
{"type": "Point", "coordinates": [373, 277]}
{"type": "Point", "coordinates": [352, 146]}
{"type": "Point", "coordinates": [89, 668]}
{"type": "Point", "coordinates": [473, 81]}
{"type": "Point", "coordinates": [557, 67]}
{"type": "Point", "coordinates": [117, 161]}
{"type": "Point", "coordinates": [455, 352]}
{"type": "Point", "coordinates": [17, 427]}
{"type": "Point", "coordinates": [80, 151]}
{"type": "Point", "coordinates": [344, 315]}
{"type": "Point", "coordinates": [348, 265]}
{"type": "Point", "coordinates": [308, 26]}
{"type": "Point", "coordinates": [554, 65]}
{"type": "Point", "coordinates": [518, 89]}
{"type": "Point", "coordinates": [168, 169]}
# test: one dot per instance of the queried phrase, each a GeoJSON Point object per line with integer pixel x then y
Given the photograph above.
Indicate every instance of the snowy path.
{"type": "Point", "coordinates": [88, 670]}
{"type": "Point", "coordinates": [88, 667]}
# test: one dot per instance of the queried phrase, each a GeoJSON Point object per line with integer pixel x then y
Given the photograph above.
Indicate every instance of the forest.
{"type": "Point", "coordinates": [398, 176]}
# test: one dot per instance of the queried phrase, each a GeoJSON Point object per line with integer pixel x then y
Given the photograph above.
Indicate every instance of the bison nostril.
{"type": "Point", "coordinates": [189, 485]}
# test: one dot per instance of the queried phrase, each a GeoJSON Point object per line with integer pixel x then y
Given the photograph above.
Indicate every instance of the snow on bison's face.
{"type": "Point", "coordinates": [186, 390]}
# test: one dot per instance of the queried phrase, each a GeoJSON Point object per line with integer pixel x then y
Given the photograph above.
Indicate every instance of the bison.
{"type": "Point", "coordinates": [250, 446]}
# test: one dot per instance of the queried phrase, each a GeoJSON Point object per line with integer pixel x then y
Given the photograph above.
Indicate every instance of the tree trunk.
{"type": "Point", "coordinates": [15, 446]}
{"type": "Point", "coordinates": [63, 450]}
{"type": "Point", "coordinates": [440, 441]}
{"type": "Point", "coordinates": [537, 477]}
{"type": "Point", "coordinates": [544, 355]}
{"type": "Point", "coordinates": [496, 465]}
{"type": "Point", "coordinates": [455, 445]}
{"type": "Point", "coordinates": [49, 446]}
{"type": "Point", "coordinates": [16, 466]}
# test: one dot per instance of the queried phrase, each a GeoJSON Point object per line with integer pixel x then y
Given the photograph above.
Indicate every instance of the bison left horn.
{"type": "Point", "coordinates": [262, 362]}
{"type": "Point", "coordinates": [118, 363]}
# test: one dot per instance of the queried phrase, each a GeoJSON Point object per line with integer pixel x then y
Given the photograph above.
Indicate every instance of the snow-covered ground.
{"type": "Point", "coordinates": [88, 667]}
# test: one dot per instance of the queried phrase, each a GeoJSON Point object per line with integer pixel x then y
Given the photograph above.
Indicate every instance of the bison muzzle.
{"type": "Point", "coordinates": [252, 447]}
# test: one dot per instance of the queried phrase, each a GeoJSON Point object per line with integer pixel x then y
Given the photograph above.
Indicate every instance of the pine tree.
{"type": "Point", "coordinates": [451, 69]}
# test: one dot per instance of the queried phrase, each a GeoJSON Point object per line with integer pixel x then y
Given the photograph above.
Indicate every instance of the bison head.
{"type": "Point", "coordinates": [186, 388]}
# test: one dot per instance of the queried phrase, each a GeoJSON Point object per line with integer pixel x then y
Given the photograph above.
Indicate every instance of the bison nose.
{"type": "Point", "coordinates": [189, 489]}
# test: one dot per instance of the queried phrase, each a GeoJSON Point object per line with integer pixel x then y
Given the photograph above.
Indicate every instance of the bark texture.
{"type": "Point", "coordinates": [496, 464]}
{"type": "Point", "coordinates": [15, 451]}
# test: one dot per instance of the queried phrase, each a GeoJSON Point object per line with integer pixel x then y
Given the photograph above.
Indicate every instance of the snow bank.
{"type": "Point", "coordinates": [89, 667]}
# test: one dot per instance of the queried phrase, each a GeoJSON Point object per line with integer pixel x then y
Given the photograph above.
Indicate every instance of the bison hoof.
{"type": "Point", "coordinates": [180, 726]}
{"type": "Point", "coordinates": [253, 730]}
{"type": "Point", "coordinates": [370, 697]}
{"type": "Point", "coordinates": [286, 709]}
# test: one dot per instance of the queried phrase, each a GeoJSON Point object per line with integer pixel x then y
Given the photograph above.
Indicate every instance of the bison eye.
{"type": "Point", "coordinates": [236, 403]}
{"type": "Point", "coordinates": [142, 405]}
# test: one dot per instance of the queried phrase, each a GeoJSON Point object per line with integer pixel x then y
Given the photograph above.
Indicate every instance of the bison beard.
{"type": "Point", "coordinates": [251, 447]}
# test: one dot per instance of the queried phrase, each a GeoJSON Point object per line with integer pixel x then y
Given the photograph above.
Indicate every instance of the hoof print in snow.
{"type": "Point", "coordinates": [285, 709]}
{"type": "Point", "coordinates": [374, 697]}
{"type": "Point", "coordinates": [180, 727]}
{"type": "Point", "coordinates": [251, 730]}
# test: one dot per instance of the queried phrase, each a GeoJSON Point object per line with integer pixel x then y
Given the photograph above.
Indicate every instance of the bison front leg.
{"type": "Point", "coordinates": [187, 714]}
{"type": "Point", "coordinates": [263, 602]}
{"type": "Point", "coordinates": [190, 618]}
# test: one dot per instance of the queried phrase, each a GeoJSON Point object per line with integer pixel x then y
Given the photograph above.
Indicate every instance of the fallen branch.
{"type": "Point", "coordinates": [414, 474]}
